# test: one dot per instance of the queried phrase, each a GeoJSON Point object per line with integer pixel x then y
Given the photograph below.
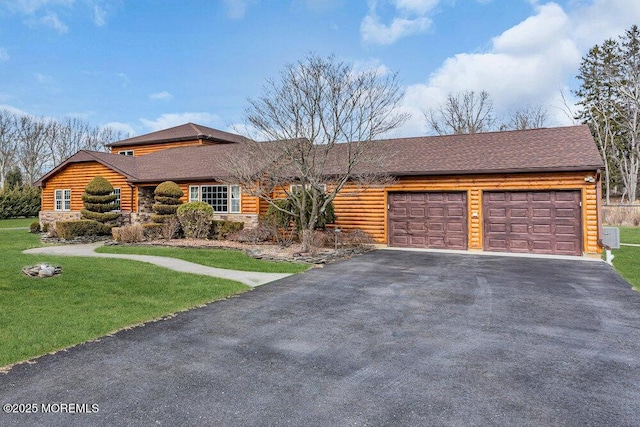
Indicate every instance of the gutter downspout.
{"type": "Point", "coordinates": [599, 207]}
{"type": "Point", "coordinates": [132, 187]}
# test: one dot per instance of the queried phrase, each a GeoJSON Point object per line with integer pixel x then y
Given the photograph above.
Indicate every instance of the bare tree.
{"type": "Point", "coordinates": [8, 146]}
{"type": "Point", "coordinates": [610, 101]}
{"type": "Point", "coordinates": [322, 117]}
{"type": "Point", "coordinates": [529, 117]}
{"type": "Point", "coordinates": [466, 112]}
{"type": "Point", "coordinates": [596, 94]}
{"type": "Point", "coordinates": [627, 117]}
{"type": "Point", "coordinates": [31, 138]}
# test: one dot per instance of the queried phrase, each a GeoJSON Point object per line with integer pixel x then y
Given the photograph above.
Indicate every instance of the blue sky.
{"type": "Point", "coordinates": [144, 65]}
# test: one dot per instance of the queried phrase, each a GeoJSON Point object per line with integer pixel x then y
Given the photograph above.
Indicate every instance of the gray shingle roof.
{"type": "Point", "coordinates": [538, 150]}
{"type": "Point", "coordinates": [186, 132]}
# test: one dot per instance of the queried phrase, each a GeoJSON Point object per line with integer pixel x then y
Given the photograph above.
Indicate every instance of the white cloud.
{"type": "Point", "coordinates": [236, 9]}
{"type": "Point", "coordinates": [528, 64]}
{"type": "Point", "coordinates": [412, 19]}
{"type": "Point", "coordinates": [125, 128]}
{"type": "Point", "coordinates": [169, 120]}
{"type": "Point", "coordinates": [14, 110]}
{"type": "Point", "coordinates": [51, 20]}
{"type": "Point", "coordinates": [43, 79]}
{"type": "Point", "coordinates": [4, 55]}
{"type": "Point", "coordinates": [99, 16]}
{"type": "Point", "coordinates": [32, 6]}
{"type": "Point", "coordinates": [420, 7]}
{"type": "Point", "coordinates": [166, 96]}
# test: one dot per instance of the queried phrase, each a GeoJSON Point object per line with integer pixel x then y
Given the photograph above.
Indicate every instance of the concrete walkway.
{"type": "Point", "coordinates": [249, 278]}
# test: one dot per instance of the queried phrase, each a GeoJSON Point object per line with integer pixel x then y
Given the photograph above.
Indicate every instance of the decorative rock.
{"type": "Point", "coordinates": [42, 270]}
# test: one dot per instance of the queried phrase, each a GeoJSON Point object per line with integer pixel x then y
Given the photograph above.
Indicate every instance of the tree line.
{"type": "Point", "coordinates": [30, 146]}
{"type": "Point", "coordinates": [472, 112]}
{"type": "Point", "coordinates": [609, 100]}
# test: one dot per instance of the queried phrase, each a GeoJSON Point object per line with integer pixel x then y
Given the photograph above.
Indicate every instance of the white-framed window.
{"type": "Point", "coordinates": [194, 193]}
{"type": "Point", "coordinates": [234, 198]}
{"type": "Point", "coordinates": [222, 198]}
{"type": "Point", "coordinates": [126, 152]}
{"type": "Point", "coordinates": [116, 191]}
{"type": "Point", "coordinates": [62, 200]}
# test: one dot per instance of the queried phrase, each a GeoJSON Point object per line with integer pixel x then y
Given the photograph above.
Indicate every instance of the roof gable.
{"type": "Point", "coordinates": [186, 132]}
{"type": "Point", "coordinates": [124, 165]}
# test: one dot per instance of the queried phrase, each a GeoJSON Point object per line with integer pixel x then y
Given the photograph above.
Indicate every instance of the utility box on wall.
{"type": "Point", "coordinates": [611, 237]}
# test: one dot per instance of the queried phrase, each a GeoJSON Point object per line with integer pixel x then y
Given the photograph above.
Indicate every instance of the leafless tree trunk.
{"type": "Point", "coordinates": [467, 112]}
{"type": "Point", "coordinates": [322, 117]}
{"type": "Point", "coordinates": [31, 137]}
{"type": "Point", "coordinates": [527, 118]}
{"type": "Point", "coordinates": [7, 144]}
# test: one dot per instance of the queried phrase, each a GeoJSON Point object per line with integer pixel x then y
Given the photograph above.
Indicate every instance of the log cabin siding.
{"type": "Point", "coordinates": [367, 211]}
{"type": "Point", "coordinates": [76, 176]}
{"type": "Point", "coordinates": [142, 149]}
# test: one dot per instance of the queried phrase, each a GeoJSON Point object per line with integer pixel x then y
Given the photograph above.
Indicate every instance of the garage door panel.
{"type": "Point", "coordinates": [516, 197]}
{"type": "Point", "coordinates": [533, 221]}
{"type": "Point", "coordinates": [565, 213]}
{"type": "Point", "coordinates": [435, 220]}
{"type": "Point", "coordinates": [517, 213]}
{"type": "Point", "coordinates": [455, 227]}
{"type": "Point", "coordinates": [541, 229]}
{"type": "Point", "coordinates": [436, 227]}
{"type": "Point", "coordinates": [519, 229]}
{"type": "Point", "coordinates": [569, 230]}
{"type": "Point", "coordinates": [456, 212]}
{"type": "Point", "coordinates": [436, 212]}
{"type": "Point", "coordinates": [541, 212]}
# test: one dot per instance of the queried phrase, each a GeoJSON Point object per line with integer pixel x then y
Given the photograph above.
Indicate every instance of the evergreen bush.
{"type": "Point", "coordinates": [195, 219]}
{"type": "Point", "coordinates": [99, 201]}
{"type": "Point", "coordinates": [19, 202]}
{"type": "Point", "coordinates": [83, 227]}
{"type": "Point", "coordinates": [221, 229]}
{"type": "Point", "coordinates": [167, 199]}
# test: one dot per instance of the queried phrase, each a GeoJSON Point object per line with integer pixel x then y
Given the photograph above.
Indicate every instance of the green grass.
{"type": "Point", "coordinates": [16, 222]}
{"type": "Point", "coordinates": [626, 258]}
{"type": "Point", "coordinates": [93, 297]}
{"type": "Point", "coordinates": [630, 235]}
{"type": "Point", "coordinates": [220, 258]}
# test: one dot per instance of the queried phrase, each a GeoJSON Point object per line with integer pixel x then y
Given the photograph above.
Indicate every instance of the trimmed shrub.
{"type": "Point", "coordinates": [83, 227]}
{"type": "Point", "coordinates": [34, 227]}
{"type": "Point", "coordinates": [19, 202]}
{"type": "Point", "coordinates": [128, 234]}
{"type": "Point", "coordinates": [99, 201]}
{"type": "Point", "coordinates": [219, 230]}
{"type": "Point", "coordinates": [167, 196]}
{"type": "Point", "coordinates": [152, 230]}
{"type": "Point", "coordinates": [171, 228]}
{"type": "Point", "coordinates": [195, 219]}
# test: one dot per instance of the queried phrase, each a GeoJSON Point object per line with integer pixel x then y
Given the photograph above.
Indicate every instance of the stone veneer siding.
{"type": "Point", "coordinates": [51, 217]}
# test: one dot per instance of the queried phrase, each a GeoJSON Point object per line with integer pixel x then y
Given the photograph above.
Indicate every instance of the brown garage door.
{"type": "Point", "coordinates": [544, 222]}
{"type": "Point", "coordinates": [428, 220]}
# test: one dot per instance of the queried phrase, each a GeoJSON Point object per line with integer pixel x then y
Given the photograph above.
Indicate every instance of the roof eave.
{"type": "Point", "coordinates": [584, 168]}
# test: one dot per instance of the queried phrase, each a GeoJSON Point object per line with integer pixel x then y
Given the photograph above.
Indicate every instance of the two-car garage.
{"type": "Point", "coordinates": [544, 222]}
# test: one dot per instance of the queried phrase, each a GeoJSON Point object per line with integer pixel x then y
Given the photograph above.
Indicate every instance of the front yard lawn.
{"type": "Point", "coordinates": [626, 258]}
{"type": "Point", "coordinates": [219, 258]}
{"type": "Point", "coordinates": [16, 222]}
{"type": "Point", "coordinates": [91, 298]}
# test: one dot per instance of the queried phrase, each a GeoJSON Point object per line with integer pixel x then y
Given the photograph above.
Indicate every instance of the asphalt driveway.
{"type": "Point", "coordinates": [388, 338]}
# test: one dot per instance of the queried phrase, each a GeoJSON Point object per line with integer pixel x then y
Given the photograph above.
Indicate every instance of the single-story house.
{"type": "Point", "coordinates": [532, 191]}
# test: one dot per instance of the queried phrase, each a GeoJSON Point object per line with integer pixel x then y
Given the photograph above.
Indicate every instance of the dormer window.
{"type": "Point", "coordinates": [126, 152]}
